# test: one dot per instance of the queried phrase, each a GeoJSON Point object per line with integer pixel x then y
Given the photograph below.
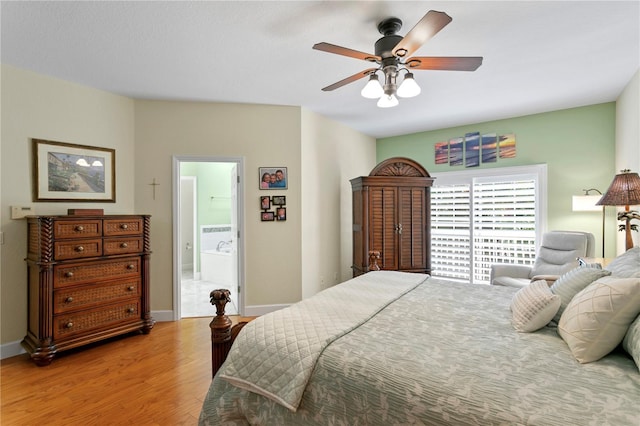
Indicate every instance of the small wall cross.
{"type": "Point", "coordinates": [153, 185]}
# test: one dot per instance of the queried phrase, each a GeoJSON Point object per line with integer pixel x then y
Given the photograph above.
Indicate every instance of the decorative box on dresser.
{"type": "Point", "coordinates": [88, 280]}
{"type": "Point", "coordinates": [392, 217]}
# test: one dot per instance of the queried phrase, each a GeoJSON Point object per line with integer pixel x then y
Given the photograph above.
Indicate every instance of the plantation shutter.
{"type": "Point", "coordinates": [481, 220]}
{"type": "Point", "coordinates": [504, 223]}
{"type": "Point", "coordinates": [450, 231]}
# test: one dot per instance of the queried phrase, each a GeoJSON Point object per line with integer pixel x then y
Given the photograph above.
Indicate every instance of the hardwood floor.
{"type": "Point", "coordinates": [155, 379]}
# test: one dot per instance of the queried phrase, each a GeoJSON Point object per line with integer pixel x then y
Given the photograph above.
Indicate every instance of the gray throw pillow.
{"type": "Point", "coordinates": [627, 265]}
{"type": "Point", "coordinates": [571, 283]}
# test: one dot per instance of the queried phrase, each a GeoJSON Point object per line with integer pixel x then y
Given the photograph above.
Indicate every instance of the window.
{"type": "Point", "coordinates": [482, 217]}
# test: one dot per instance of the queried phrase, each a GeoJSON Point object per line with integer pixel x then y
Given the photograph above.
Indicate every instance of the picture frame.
{"type": "Point", "coordinates": [273, 178]}
{"type": "Point", "coordinates": [441, 152]}
{"type": "Point", "coordinates": [281, 213]}
{"type": "Point", "coordinates": [265, 202]}
{"type": "Point", "coordinates": [64, 172]}
{"type": "Point", "coordinates": [279, 200]}
{"type": "Point", "coordinates": [267, 216]}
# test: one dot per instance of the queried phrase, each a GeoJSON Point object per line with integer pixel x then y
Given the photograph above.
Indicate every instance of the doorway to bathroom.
{"type": "Point", "coordinates": [208, 249]}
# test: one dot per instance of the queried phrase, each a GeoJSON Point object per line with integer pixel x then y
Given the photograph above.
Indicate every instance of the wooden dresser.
{"type": "Point", "coordinates": [88, 280]}
{"type": "Point", "coordinates": [392, 216]}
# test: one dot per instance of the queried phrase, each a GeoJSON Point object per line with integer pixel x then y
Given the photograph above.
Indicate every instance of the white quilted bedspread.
{"type": "Point", "coordinates": [290, 341]}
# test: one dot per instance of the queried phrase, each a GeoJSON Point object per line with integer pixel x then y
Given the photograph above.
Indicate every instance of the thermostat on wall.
{"type": "Point", "coordinates": [18, 212]}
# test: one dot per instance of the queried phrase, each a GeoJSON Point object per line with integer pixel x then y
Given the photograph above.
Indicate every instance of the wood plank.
{"type": "Point", "coordinates": [155, 379]}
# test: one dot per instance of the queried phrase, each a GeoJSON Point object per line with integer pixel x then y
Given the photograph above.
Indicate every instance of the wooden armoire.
{"type": "Point", "coordinates": [392, 215]}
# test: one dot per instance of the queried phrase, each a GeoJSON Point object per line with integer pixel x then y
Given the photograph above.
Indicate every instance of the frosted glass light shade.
{"type": "Point", "coordinates": [408, 88]}
{"type": "Point", "coordinates": [373, 88]}
{"type": "Point", "coordinates": [388, 101]}
{"type": "Point", "coordinates": [586, 203]}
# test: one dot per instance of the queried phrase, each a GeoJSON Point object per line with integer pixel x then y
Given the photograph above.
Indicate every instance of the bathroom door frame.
{"type": "Point", "coordinates": [177, 160]}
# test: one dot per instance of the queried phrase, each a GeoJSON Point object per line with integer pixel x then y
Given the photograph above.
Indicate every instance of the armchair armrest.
{"type": "Point", "coordinates": [510, 270]}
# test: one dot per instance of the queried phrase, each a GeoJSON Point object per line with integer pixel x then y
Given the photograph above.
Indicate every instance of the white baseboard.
{"type": "Point", "coordinates": [10, 349]}
{"type": "Point", "coordinates": [258, 310]}
{"type": "Point", "coordinates": [162, 316]}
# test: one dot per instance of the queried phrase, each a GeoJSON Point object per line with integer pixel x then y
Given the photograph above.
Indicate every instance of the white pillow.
{"type": "Point", "coordinates": [598, 317]}
{"type": "Point", "coordinates": [631, 342]}
{"type": "Point", "coordinates": [533, 306]}
{"type": "Point", "coordinates": [571, 283]}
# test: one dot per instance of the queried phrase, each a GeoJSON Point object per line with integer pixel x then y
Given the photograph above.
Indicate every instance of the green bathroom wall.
{"type": "Point", "coordinates": [213, 186]}
{"type": "Point", "coordinates": [578, 146]}
{"type": "Point", "coordinates": [214, 191]}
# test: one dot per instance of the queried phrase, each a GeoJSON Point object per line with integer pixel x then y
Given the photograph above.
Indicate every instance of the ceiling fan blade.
{"type": "Point", "coordinates": [452, 63]}
{"type": "Point", "coordinates": [339, 50]}
{"type": "Point", "coordinates": [350, 79]}
{"type": "Point", "coordinates": [429, 25]}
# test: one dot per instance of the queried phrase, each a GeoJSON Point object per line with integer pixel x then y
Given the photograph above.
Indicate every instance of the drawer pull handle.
{"type": "Point", "coordinates": [131, 266]}
{"type": "Point", "coordinates": [69, 299]}
{"type": "Point", "coordinates": [130, 310]}
{"type": "Point", "coordinates": [68, 325]}
{"type": "Point", "coordinates": [79, 249]}
{"type": "Point", "coordinates": [124, 226]}
{"type": "Point", "coordinates": [124, 245]}
{"type": "Point", "coordinates": [68, 274]}
{"type": "Point", "coordinates": [131, 288]}
{"type": "Point", "coordinates": [79, 228]}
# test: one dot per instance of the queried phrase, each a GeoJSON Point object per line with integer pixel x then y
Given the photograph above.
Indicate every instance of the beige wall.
{"type": "Point", "coordinates": [35, 106]}
{"type": "Point", "coordinates": [265, 136]}
{"type": "Point", "coordinates": [146, 135]}
{"type": "Point", "coordinates": [332, 154]}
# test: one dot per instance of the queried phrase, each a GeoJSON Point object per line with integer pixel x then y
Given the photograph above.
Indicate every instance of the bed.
{"type": "Point", "coordinates": [400, 348]}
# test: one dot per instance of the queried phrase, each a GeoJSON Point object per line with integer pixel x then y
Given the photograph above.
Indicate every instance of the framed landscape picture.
{"type": "Point", "coordinates": [68, 172]}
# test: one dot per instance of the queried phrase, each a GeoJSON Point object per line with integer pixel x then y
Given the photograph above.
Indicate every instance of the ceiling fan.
{"type": "Point", "coordinates": [393, 55]}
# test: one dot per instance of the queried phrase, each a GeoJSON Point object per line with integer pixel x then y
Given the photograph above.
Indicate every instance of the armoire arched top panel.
{"type": "Point", "coordinates": [399, 166]}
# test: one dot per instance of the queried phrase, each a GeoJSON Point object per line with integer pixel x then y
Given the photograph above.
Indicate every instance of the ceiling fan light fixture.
{"type": "Point", "coordinates": [408, 88]}
{"type": "Point", "coordinates": [373, 88]}
{"type": "Point", "coordinates": [387, 101]}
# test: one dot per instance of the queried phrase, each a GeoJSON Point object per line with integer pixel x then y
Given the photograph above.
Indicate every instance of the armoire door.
{"type": "Point", "coordinates": [411, 228]}
{"type": "Point", "coordinates": [383, 225]}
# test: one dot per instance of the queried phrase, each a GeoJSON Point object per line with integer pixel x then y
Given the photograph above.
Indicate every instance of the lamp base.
{"type": "Point", "coordinates": [628, 237]}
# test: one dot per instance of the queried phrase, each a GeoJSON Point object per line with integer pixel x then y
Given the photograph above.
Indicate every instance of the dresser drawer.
{"type": "Point", "coordinates": [73, 298]}
{"type": "Point", "coordinates": [78, 273]}
{"type": "Point", "coordinates": [85, 228]}
{"type": "Point", "coordinates": [126, 226]}
{"type": "Point", "coordinates": [77, 249]}
{"type": "Point", "coordinates": [68, 324]}
{"type": "Point", "coordinates": [121, 245]}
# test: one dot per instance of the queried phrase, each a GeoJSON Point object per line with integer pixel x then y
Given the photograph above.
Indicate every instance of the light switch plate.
{"type": "Point", "coordinates": [19, 212]}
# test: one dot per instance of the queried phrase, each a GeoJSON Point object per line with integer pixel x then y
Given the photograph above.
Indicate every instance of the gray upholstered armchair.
{"type": "Point", "coordinates": [557, 254]}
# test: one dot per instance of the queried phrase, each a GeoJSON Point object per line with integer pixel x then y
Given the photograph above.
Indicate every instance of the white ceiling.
{"type": "Point", "coordinates": [538, 55]}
